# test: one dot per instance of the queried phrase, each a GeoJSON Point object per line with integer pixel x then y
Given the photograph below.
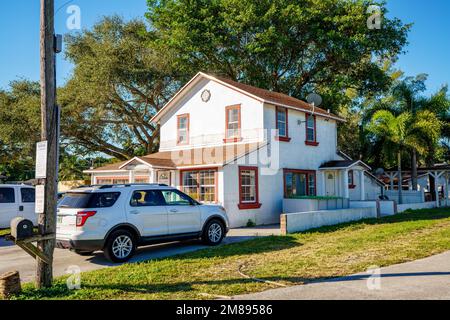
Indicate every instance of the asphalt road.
{"type": "Point", "coordinates": [13, 258]}
{"type": "Point", "coordinates": [422, 279]}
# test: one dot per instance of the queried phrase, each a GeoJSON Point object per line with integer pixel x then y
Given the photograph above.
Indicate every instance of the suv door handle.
{"type": "Point", "coordinates": [134, 212]}
{"type": "Point", "coordinates": [173, 210]}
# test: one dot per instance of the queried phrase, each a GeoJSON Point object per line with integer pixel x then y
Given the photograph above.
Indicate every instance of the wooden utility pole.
{"type": "Point", "coordinates": [49, 122]}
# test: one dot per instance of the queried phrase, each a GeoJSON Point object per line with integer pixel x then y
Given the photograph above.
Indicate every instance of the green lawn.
{"type": "Point", "coordinates": [294, 259]}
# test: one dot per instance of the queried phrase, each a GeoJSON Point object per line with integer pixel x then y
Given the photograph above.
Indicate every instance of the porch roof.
{"type": "Point", "coordinates": [343, 164]}
{"type": "Point", "coordinates": [178, 159]}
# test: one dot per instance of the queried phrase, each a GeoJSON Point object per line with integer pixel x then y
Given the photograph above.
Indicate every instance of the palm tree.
{"type": "Point", "coordinates": [406, 96]}
{"type": "Point", "coordinates": [404, 133]}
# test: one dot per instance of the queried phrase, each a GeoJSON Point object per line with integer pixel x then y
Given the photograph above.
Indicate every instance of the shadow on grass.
{"type": "Point", "coordinates": [407, 216]}
{"type": "Point", "coordinates": [60, 291]}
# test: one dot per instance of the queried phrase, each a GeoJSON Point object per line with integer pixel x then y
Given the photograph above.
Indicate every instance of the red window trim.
{"type": "Point", "coordinates": [246, 205]}
{"type": "Point", "coordinates": [215, 169]}
{"type": "Point", "coordinates": [232, 139]}
{"type": "Point", "coordinates": [185, 115]}
{"type": "Point", "coordinates": [284, 138]}
{"type": "Point", "coordinates": [351, 185]}
{"type": "Point", "coordinates": [307, 172]}
{"type": "Point", "coordinates": [308, 142]}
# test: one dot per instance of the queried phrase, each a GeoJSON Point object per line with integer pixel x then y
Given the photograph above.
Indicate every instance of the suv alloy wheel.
{"type": "Point", "coordinates": [213, 233]}
{"type": "Point", "coordinates": [120, 246]}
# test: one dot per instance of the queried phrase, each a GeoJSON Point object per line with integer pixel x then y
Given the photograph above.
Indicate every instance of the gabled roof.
{"type": "Point", "coordinates": [262, 95]}
{"type": "Point", "coordinates": [343, 155]}
{"type": "Point", "coordinates": [183, 158]}
{"type": "Point", "coordinates": [343, 164]}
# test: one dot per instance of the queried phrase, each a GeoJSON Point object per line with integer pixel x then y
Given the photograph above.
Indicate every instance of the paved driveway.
{"type": "Point", "coordinates": [427, 278]}
{"type": "Point", "coordinates": [13, 258]}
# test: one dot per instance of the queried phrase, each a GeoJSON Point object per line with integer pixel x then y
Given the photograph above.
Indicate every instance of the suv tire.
{"type": "Point", "coordinates": [120, 246]}
{"type": "Point", "coordinates": [213, 233]}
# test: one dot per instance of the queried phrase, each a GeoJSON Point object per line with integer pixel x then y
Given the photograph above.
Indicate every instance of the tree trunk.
{"type": "Point", "coordinates": [399, 177]}
{"type": "Point", "coordinates": [414, 170]}
{"type": "Point", "coordinates": [47, 220]}
{"type": "Point", "coordinates": [432, 187]}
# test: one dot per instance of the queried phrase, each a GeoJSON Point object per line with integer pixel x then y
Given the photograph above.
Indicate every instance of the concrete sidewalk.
{"type": "Point", "coordinates": [427, 278]}
{"type": "Point", "coordinates": [14, 258]}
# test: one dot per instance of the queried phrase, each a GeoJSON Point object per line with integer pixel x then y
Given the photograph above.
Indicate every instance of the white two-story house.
{"type": "Point", "coordinates": [247, 149]}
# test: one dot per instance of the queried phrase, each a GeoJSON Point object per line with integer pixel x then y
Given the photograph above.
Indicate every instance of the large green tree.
{"type": "Point", "coordinates": [20, 122]}
{"type": "Point", "coordinates": [292, 46]}
{"type": "Point", "coordinates": [20, 125]}
{"type": "Point", "coordinates": [118, 85]}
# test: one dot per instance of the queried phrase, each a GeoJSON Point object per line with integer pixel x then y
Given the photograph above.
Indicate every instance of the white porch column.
{"type": "Point", "coordinates": [391, 178]}
{"type": "Point", "coordinates": [345, 179]}
{"type": "Point", "coordinates": [362, 188]}
{"type": "Point", "coordinates": [93, 179]}
{"type": "Point", "coordinates": [324, 183]}
{"type": "Point", "coordinates": [131, 176]}
{"type": "Point", "coordinates": [153, 176]}
{"type": "Point", "coordinates": [446, 188]}
{"type": "Point", "coordinates": [173, 179]}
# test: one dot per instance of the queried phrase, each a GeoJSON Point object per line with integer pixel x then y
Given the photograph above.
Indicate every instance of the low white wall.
{"type": "Point", "coordinates": [415, 206]}
{"type": "Point", "coordinates": [363, 204]}
{"type": "Point", "coordinates": [307, 205]}
{"type": "Point", "coordinates": [408, 196]}
{"type": "Point", "coordinates": [295, 222]}
{"type": "Point", "coordinates": [386, 207]}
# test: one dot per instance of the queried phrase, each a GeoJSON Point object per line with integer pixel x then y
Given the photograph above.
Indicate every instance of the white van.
{"type": "Point", "coordinates": [16, 201]}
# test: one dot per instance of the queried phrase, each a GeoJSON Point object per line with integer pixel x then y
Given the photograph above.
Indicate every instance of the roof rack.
{"type": "Point", "coordinates": [109, 186]}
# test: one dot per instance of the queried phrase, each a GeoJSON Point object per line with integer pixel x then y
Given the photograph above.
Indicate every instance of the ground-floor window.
{"type": "Point", "coordinates": [200, 185]}
{"type": "Point", "coordinates": [299, 183]}
{"type": "Point", "coordinates": [248, 188]}
{"type": "Point", "coordinates": [112, 180]}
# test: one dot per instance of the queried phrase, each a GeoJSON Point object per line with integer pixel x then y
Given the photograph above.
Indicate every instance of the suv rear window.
{"type": "Point", "coordinates": [89, 200]}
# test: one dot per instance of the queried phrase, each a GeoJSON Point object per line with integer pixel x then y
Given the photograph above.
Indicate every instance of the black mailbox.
{"type": "Point", "coordinates": [21, 228]}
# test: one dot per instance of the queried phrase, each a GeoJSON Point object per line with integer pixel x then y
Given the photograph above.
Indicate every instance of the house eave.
{"type": "Point", "coordinates": [167, 106]}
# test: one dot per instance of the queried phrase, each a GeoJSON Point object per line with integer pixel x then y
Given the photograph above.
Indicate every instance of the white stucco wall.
{"type": "Point", "coordinates": [371, 189]}
{"type": "Point", "coordinates": [296, 154]}
{"type": "Point", "coordinates": [270, 197]}
{"type": "Point", "coordinates": [207, 120]}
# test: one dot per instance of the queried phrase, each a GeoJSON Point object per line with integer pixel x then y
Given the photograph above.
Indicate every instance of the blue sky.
{"type": "Point", "coordinates": [428, 51]}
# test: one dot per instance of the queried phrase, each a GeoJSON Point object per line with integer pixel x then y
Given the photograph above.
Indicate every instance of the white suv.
{"type": "Point", "coordinates": [118, 218]}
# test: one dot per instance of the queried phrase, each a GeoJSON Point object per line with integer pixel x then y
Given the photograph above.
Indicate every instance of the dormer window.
{"type": "Point", "coordinates": [233, 123]}
{"type": "Point", "coordinates": [282, 124]}
{"type": "Point", "coordinates": [183, 129]}
{"type": "Point", "coordinates": [311, 134]}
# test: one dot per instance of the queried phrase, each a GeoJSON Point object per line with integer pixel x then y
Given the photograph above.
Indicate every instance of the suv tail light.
{"type": "Point", "coordinates": [82, 216]}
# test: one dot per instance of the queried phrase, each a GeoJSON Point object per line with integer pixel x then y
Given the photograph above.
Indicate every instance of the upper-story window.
{"type": "Point", "coordinates": [183, 129]}
{"type": "Point", "coordinates": [282, 124]}
{"type": "Point", "coordinates": [311, 134]}
{"type": "Point", "coordinates": [233, 123]}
